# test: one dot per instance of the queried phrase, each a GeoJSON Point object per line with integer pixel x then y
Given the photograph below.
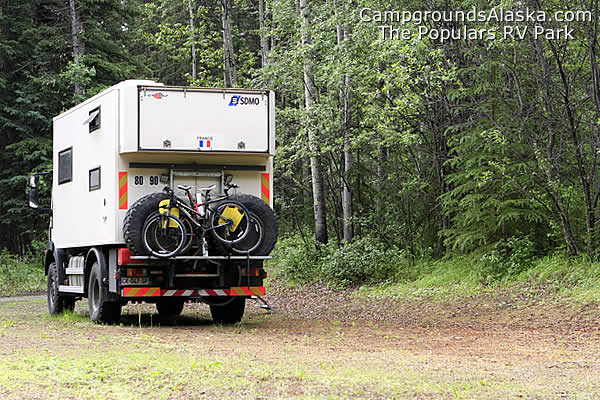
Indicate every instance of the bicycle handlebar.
{"type": "Point", "coordinates": [228, 186]}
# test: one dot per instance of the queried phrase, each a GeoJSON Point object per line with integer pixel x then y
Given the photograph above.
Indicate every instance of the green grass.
{"type": "Point", "coordinates": [21, 275]}
{"type": "Point", "coordinates": [574, 278]}
{"type": "Point", "coordinates": [457, 277]}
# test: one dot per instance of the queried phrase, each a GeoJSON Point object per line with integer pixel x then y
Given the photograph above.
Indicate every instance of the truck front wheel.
{"type": "Point", "coordinates": [230, 312]}
{"type": "Point", "coordinates": [101, 310]}
{"type": "Point", "coordinates": [57, 303]}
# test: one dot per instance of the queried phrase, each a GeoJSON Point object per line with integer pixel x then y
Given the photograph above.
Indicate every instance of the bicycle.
{"type": "Point", "coordinates": [170, 231]}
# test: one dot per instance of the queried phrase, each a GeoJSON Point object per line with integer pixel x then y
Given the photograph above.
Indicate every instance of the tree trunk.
{"type": "Point", "coordinates": [309, 100]}
{"type": "Point", "coordinates": [230, 73]}
{"type": "Point", "coordinates": [346, 195]}
{"type": "Point", "coordinates": [548, 165]}
{"type": "Point", "coordinates": [192, 40]}
{"type": "Point", "coordinates": [382, 152]}
{"type": "Point", "coordinates": [78, 47]}
{"type": "Point", "coordinates": [596, 143]}
{"type": "Point", "coordinates": [263, 39]}
{"type": "Point", "coordinates": [343, 35]}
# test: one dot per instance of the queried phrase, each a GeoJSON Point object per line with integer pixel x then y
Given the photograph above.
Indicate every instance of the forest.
{"type": "Point", "coordinates": [391, 145]}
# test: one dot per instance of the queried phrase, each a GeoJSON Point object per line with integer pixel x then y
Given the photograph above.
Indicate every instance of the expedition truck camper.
{"type": "Point", "coordinates": [161, 194]}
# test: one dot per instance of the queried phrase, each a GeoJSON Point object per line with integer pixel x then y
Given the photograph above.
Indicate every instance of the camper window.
{"type": "Point", "coordinates": [65, 166]}
{"type": "Point", "coordinates": [94, 119]}
{"type": "Point", "coordinates": [95, 179]}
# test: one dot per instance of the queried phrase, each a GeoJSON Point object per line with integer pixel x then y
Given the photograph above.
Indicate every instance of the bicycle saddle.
{"type": "Point", "coordinates": [208, 188]}
{"type": "Point", "coordinates": [184, 187]}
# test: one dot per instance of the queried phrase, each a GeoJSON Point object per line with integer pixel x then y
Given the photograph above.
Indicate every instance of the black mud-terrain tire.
{"type": "Point", "coordinates": [57, 304]}
{"type": "Point", "coordinates": [229, 313]}
{"type": "Point", "coordinates": [135, 218]}
{"type": "Point", "coordinates": [169, 307]}
{"type": "Point", "coordinates": [270, 226]}
{"type": "Point", "coordinates": [101, 310]}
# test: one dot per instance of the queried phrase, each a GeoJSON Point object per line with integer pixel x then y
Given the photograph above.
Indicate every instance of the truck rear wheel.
{"type": "Point", "coordinates": [230, 312]}
{"type": "Point", "coordinates": [101, 310]}
{"type": "Point", "coordinates": [262, 235]}
{"type": "Point", "coordinates": [57, 303]}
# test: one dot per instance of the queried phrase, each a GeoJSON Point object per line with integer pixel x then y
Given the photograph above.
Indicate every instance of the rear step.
{"type": "Point", "coordinates": [262, 303]}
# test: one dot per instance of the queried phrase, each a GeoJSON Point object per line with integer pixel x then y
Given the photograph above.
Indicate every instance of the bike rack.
{"type": "Point", "coordinates": [221, 175]}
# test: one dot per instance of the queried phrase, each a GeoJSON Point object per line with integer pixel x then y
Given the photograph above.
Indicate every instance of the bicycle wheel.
{"type": "Point", "coordinates": [189, 235]}
{"type": "Point", "coordinates": [164, 236]}
{"type": "Point", "coordinates": [253, 238]}
{"type": "Point", "coordinates": [229, 222]}
{"type": "Point", "coordinates": [189, 230]}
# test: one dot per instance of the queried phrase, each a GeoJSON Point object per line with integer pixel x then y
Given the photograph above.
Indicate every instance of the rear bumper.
{"type": "Point", "coordinates": [158, 292]}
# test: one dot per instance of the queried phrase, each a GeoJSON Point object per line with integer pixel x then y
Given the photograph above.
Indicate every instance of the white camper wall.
{"type": "Point", "coordinates": [82, 217]}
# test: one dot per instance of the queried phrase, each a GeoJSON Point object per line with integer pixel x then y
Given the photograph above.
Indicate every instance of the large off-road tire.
{"type": "Point", "coordinates": [101, 310]}
{"type": "Point", "coordinates": [262, 237]}
{"type": "Point", "coordinates": [57, 304]}
{"type": "Point", "coordinates": [229, 313]}
{"type": "Point", "coordinates": [135, 218]}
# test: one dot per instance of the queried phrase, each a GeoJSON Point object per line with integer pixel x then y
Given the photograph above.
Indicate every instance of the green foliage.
{"type": "Point", "coordinates": [361, 261]}
{"type": "Point", "coordinates": [506, 260]}
{"type": "Point", "coordinates": [364, 260]}
{"type": "Point", "coordinates": [299, 259]}
{"type": "Point", "coordinates": [22, 275]}
{"type": "Point", "coordinates": [369, 261]}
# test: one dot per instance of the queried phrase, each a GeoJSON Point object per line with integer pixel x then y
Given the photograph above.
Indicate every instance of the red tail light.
{"type": "Point", "coordinates": [136, 272]}
{"type": "Point", "coordinates": [253, 272]}
{"type": "Point", "coordinates": [124, 257]}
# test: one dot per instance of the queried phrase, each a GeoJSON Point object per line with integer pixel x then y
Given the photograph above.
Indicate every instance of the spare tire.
{"type": "Point", "coordinates": [135, 218]}
{"type": "Point", "coordinates": [262, 238]}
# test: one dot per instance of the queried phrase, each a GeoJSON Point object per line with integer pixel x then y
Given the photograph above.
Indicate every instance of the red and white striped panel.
{"type": "Point", "coordinates": [157, 292]}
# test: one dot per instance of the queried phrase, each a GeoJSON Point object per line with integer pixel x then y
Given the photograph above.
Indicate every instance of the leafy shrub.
{"type": "Point", "coordinates": [507, 260]}
{"type": "Point", "coordinates": [21, 275]}
{"type": "Point", "coordinates": [299, 259]}
{"type": "Point", "coordinates": [364, 260]}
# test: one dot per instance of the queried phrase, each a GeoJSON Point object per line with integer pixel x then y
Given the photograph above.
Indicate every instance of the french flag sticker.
{"type": "Point", "coordinates": [204, 144]}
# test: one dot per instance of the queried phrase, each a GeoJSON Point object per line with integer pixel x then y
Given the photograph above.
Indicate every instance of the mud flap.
{"type": "Point", "coordinates": [97, 253]}
{"type": "Point", "coordinates": [112, 270]}
{"type": "Point", "coordinates": [60, 255]}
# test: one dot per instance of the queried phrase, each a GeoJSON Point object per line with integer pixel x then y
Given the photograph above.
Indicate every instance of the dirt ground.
{"type": "Point", "coordinates": [320, 344]}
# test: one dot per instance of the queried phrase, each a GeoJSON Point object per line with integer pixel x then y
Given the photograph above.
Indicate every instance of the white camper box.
{"type": "Point", "coordinates": [138, 136]}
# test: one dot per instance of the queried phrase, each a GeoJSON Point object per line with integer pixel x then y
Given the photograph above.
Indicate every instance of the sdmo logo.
{"type": "Point", "coordinates": [244, 101]}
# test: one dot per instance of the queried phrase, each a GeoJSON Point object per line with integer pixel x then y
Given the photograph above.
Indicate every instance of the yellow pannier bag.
{"type": "Point", "coordinates": [233, 213]}
{"type": "Point", "coordinates": [163, 206]}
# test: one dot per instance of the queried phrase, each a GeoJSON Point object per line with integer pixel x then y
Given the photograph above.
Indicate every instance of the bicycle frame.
{"type": "Point", "coordinates": [193, 215]}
